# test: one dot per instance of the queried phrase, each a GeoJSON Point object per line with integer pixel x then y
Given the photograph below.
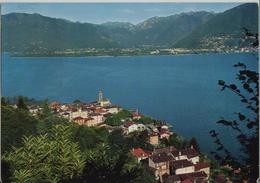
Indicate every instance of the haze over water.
{"type": "Point", "coordinates": [181, 90]}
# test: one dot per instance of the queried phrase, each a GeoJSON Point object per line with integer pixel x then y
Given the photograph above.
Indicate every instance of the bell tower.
{"type": "Point", "coordinates": [100, 96]}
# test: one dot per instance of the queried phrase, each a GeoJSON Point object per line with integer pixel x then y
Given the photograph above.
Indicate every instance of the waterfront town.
{"type": "Point", "coordinates": [168, 164]}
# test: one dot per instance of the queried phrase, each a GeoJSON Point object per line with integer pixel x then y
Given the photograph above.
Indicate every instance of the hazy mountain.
{"type": "Point", "coordinates": [165, 31]}
{"type": "Point", "coordinates": [27, 32]}
{"type": "Point", "coordinates": [23, 32]}
{"type": "Point", "coordinates": [229, 23]}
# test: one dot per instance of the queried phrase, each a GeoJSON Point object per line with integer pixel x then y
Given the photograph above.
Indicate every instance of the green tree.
{"type": "Point", "coordinates": [174, 140]}
{"type": "Point", "coordinates": [15, 123]}
{"type": "Point", "coordinates": [194, 144]}
{"type": "Point", "coordinates": [50, 157]}
{"type": "Point", "coordinates": [21, 104]}
{"type": "Point", "coordinates": [116, 119]}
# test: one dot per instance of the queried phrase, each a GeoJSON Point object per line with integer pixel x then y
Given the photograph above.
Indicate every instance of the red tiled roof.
{"type": "Point", "coordinates": [129, 123]}
{"type": "Point", "coordinates": [100, 110]}
{"type": "Point", "coordinates": [165, 149]}
{"type": "Point", "coordinates": [187, 181]}
{"type": "Point", "coordinates": [161, 157]}
{"type": "Point", "coordinates": [181, 164]}
{"type": "Point", "coordinates": [201, 165]}
{"type": "Point", "coordinates": [78, 118]}
{"type": "Point", "coordinates": [193, 175]}
{"type": "Point", "coordinates": [139, 152]}
{"type": "Point", "coordinates": [135, 114]}
{"type": "Point", "coordinates": [189, 152]}
{"type": "Point", "coordinates": [88, 119]}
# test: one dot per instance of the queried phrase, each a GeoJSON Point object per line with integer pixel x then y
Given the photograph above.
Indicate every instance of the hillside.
{"type": "Point", "coordinates": [23, 32]}
{"type": "Point", "coordinates": [34, 33]}
{"type": "Point", "coordinates": [228, 23]}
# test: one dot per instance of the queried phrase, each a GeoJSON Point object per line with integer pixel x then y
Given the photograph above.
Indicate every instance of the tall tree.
{"type": "Point", "coordinates": [21, 103]}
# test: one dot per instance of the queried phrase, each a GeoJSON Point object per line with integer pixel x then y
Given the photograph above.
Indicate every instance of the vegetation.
{"type": "Point", "coordinates": [50, 157]}
{"type": "Point", "coordinates": [45, 148]}
{"type": "Point", "coordinates": [15, 123]}
{"type": "Point", "coordinates": [116, 120]}
{"type": "Point", "coordinates": [245, 125]}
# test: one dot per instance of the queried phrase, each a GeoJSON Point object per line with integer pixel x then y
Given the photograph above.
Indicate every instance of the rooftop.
{"type": "Point", "coordinates": [181, 164]}
{"type": "Point", "coordinates": [161, 157]}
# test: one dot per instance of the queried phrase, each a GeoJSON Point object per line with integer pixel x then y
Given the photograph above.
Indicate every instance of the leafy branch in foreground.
{"type": "Point", "coordinates": [246, 127]}
{"type": "Point", "coordinates": [49, 157]}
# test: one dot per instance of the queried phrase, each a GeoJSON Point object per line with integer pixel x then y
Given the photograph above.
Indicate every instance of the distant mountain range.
{"type": "Point", "coordinates": [24, 32]}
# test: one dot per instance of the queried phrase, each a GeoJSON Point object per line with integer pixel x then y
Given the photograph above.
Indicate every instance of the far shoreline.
{"type": "Point", "coordinates": [111, 56]}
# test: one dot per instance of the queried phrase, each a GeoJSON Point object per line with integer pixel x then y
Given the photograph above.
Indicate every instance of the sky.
{"type": "Point", "coordinates": [110, 12]}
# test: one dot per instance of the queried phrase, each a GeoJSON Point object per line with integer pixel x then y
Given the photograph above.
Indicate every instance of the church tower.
{"type": "Point", "coordinates": [100, 96]}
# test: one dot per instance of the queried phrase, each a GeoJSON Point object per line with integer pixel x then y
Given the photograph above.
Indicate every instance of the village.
{"type": "Point", "coordinates": [168, 164]}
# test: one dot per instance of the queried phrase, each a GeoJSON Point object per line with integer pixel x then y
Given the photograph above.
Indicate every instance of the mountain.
{"type": "Point", "coordinates": [228, 23]}
{"type": "Point", "coordinates": [22, 32]}
{"type": "Point", "coordinates": [164, 31]}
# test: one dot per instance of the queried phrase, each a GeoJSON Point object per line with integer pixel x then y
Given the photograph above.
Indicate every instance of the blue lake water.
{"type": "Point", "coordinates": [181, 90]}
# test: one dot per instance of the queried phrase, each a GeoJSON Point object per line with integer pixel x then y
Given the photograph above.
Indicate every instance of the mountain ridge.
{"type": "Point", "coordinates": [24, 32]}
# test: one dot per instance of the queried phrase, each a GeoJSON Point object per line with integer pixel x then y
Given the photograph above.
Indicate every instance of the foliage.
{"type": "Point", "coordinates": [193, 142]}
{"type": "Point", "coordinates": [116, 119]}
{"type": "Point", "coordinates": [245, 127]}
{"type": "Point", "coordinates": [148, 120]}
{"type": "Point", "coordinates": [89, 137]}
{"type": "Point", "coordinates": [15, 124]}
{"type": "Point", "coordinates": [105, 166]}
{"type": "Point", "coordinates": [138, 139]}
{"type": "Point", "coordinates": [46, 158]}
{"type": "Point", "coordinates": [174, 140]}
{"type": "Point", "coordinates": [21, 104]}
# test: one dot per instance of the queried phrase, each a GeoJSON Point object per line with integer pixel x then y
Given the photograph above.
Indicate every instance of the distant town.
{"type": "Point", "coordinates": [133, 51]}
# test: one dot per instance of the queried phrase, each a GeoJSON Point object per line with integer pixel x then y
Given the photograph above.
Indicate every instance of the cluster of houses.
{"type": "Point", "coordinates": [168, 164]}
{"type": "Point", "coordinates": [89, 114]}
{"type": "Point", "coordinates": [174, 166]}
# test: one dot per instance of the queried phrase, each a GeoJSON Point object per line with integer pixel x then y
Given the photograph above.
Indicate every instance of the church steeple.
{"type": "Point", "coordinates": [100, 96]}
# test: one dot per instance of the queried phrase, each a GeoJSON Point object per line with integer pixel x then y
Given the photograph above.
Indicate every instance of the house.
{"type": "Point", "coordinates": [181, 167]}
{"type": "Point", "coordinates": [171, 178]}
{"type": "Point", "coordinates": [99, 118]}
{"type": "Point", "coordinates": [55, 106]}
{"type": "Point", "coordinates": [112, 109]}
{"type": "Point", "coordinates": [153, 139]}
{"type": "Point", "coordinates": [164, 134]}
{"type": "Point", "coordinates": [194, 177]}
{"type": "Point", "coordinates": [80, 120]}
{"type": "Point", "coordinates": [136, 115]}
{"type": "Point", "coordinates": [79, 113]}
{"type": "Point", "coordinates": [90, 122]}
{"type": "Point", "coordinates": [140, 154]}
{"type": "Point", "coordinates": [130, 127]}
{"type": "Point", "coordinates": [202, 166]}
{"type": "Point", "coordinates": [161, 163]}
{"type": "Point", "coordinates": [188, 153]}
{"type": "Point", "coordinates": [168, 149]}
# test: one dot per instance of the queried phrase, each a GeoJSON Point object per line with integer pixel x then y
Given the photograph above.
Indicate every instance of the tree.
{"type": "Point", "coordinates": [103, 165]}
{"type": "Point", "coordinates": [14, 125]}
{"type": "Point", "coordinates": [194, 144]}
{"type": "Point", "coordinates": [245, 127]}
{"type": "Point", "coordinates": [21, 104]}
{"type": "Point", "coordinates": [116, 119]}
{"type": "Point", "coordinates": [174, 140]}
{"type": "Point", "coordinates": [50, 157]}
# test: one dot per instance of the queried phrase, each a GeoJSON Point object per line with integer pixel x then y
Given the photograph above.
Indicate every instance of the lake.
{"type": "Point", "coordinates": [181, 90]}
